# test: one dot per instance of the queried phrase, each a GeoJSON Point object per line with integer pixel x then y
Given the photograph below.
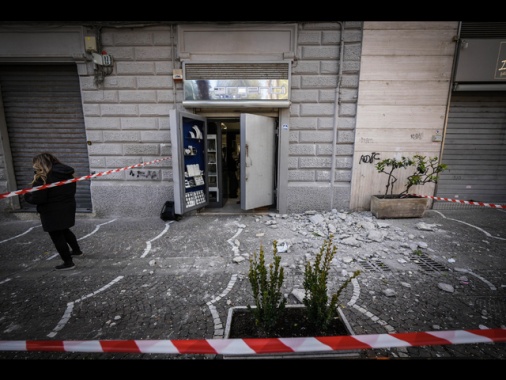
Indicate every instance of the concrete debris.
{"type": "Point", "coordinates": [351, 241]}
{"type": "Point", "coordinates": [298, 294]}
{"type": "Point", "coordinates": [426, 227]}
{"type": "Point", "coordinates": [375, 236]}
{"type": "Point", "coordinates": [238, 259]}
{"type": "Point", "coordinates": [446, 287]}
{"type": "Point", "coordinates": [389, 292]}
{"type": "Point", "coordinates": [316, 219]}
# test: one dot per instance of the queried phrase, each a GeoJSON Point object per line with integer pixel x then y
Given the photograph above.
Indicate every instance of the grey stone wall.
{"type": "Point", "coordinates": [323, 104]}
{"type": "Point", "coordinates": [127, 122]}
{"type": "Point", "coordinates": [127, 118]}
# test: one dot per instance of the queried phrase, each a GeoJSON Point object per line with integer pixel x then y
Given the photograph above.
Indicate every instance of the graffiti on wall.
{"type": "Point", "coordinates": [148, 174]}
{"type": "Point", "coordinates": [369, 158]}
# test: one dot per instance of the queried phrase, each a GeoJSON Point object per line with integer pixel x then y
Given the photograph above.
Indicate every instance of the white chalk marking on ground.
{"type": "Point", "coordinates": [96, 229]}
{"type": "Point", "coordinates": [24, 233]}
{"type": "Point", "coordinates": [491, 286]}
{"type": "Point", "coordinates": [70, 306]}
{"type": "Point", "coordinates": [479, 229]}
{"type": "Point", "coordinates": [470, 225]}
{"type": "Point", "coordinates": [148, 243]}
{"type": "Point", "coordinates": [235, 249]}
{"type": "Point", "coordinates": [219, 332]}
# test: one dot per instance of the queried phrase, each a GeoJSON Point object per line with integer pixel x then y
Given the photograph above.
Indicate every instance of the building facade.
{"type": "Point", "coordinates": [309, 108]}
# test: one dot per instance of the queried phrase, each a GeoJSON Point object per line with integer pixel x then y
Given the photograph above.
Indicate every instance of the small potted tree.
{"type": "Point", "coordinates": [403, 204]}
{"type": "Point", "coordinates": [271, 316]}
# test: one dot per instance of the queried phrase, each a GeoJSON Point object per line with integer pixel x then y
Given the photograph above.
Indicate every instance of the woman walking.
{"type": "Point", "coordinates": [56, 205]}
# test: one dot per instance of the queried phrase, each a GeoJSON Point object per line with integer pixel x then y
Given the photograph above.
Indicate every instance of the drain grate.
{"type": "Point", "coordinates": [427, 263]}
{"type": "Point", "coordinates": [494, 306]}
{"type": "Point", "coordinates": [374, 265]}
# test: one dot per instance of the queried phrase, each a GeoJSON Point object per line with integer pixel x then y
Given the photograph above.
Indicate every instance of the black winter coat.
{"type": "Point", "coordinates": [56, 205]}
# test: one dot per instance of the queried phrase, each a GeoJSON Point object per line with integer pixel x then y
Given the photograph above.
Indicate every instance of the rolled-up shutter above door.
{"type": "Point", "coordinates": [43, 112]}
{"type": "Point", "coordinates": [474, 150]}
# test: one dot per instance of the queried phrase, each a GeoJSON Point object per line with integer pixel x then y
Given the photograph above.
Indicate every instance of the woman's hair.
{"type": "Point", "coordinates": [42, 165]}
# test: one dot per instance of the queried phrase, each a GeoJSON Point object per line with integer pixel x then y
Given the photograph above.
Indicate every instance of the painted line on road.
{"type": "Point", "coordinates": [470, 225]}
{"type": "Point", "coordinates": [479, 229]}
{"type": "Point", "coordinates": [148, 243]}
{"type": "Point", "coordinates": [97, 227]}
{"type": "Point", "coordinates": [491, 286]}
{"type": "Point", "coordinates": [24, 233]}
{"type": "Point", "coordinates": [70, 306]}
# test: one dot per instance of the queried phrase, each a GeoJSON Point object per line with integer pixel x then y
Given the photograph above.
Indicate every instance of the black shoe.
{"type": "Point", "coordinates": [66, 266]}
{"type": "Point", "coordinates": [76, 253]}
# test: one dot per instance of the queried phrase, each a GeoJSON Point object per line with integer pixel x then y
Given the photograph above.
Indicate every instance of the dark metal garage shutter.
{"type": "Point", "coordinates": [475, 150]}
{"type": "Point", "coordinates": [43, 111]}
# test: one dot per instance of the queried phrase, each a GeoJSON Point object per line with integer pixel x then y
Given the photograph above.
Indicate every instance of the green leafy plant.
{"type": "Point", "coordinates": [320, 311]}
{"type": "Point", "coordinates": [426, 169]}
{"type": "Point", "coordinates": [266, 282]}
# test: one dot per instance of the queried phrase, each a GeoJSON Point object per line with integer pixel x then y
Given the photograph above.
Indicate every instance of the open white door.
{"type": "Point", "coordinates": [258, 137]}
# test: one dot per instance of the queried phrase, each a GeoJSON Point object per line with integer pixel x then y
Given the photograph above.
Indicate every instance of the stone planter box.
{"type": "Point", "coordinates": [343, 354]}
{"type": "Point", "coordinates": [393, 208]}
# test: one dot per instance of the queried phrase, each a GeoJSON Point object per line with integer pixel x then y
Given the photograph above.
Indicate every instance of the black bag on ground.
{"type": "Point", "coordinates": [168, 213]}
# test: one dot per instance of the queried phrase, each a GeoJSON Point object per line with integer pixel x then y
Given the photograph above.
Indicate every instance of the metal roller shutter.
{"type": "Point", "coordinates": [475, 150]}
{"type": "Point", "coordinates": [43, 112]}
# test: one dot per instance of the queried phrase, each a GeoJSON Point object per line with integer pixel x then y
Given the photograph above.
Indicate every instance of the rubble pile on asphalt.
{"type": "Point", "coordinates": [357, 236]}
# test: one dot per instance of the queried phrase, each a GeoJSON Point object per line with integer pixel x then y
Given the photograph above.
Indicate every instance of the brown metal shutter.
{"type": "Point", "coordinates": [475, 150]}
{"type": "Point", "coordinates": [43, 112]}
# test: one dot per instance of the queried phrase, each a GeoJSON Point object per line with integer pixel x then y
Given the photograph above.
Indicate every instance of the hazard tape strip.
{"type": "Point", "coordinates": [54, 184]}
{"type": "Point", "coordinates": [459, 201]}
{"type": "Point", "coordinates": [255, 346]}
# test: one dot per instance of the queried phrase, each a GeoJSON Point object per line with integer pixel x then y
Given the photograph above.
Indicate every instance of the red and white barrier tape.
{"type": "Point", "coordinates": [261, 345]}
{"type": "Point", "coordinates": [42, 187]}
{"type": "Point", "coordinates": [459, 201]}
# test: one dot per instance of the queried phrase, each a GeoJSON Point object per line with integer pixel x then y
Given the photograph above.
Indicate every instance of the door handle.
{"type": "Point", "coordinates": [247, 159]}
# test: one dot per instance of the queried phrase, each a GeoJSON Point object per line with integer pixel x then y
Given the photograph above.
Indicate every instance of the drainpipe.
{"type": "Point", "coordinates": [336, 115]}
{"type": "Point", "coordinates": [448, 101]}
{"type": "Point", "coordinates": [173, 54]}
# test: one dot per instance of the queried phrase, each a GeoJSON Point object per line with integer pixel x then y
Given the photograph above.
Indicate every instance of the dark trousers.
{"type": "Point", "coordinates": [62, 239]}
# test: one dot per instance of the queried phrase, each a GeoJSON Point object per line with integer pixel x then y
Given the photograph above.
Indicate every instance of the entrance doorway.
{"type": "Point", "coordinates": [248, 164]}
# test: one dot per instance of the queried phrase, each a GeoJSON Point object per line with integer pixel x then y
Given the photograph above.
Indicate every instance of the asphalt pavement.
{"type": "Point", "coordinates": [169, 280]}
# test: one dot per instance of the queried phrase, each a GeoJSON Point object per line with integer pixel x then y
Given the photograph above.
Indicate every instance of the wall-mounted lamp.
{"type": "Point", "coordinates": [90, 44]}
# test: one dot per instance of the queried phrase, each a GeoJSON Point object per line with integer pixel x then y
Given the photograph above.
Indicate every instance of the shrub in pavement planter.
{"type": "Point", "coordinates": [427, 170]}
{"type": "Point", "coordinates": [266, 282]}
{"type": "Point", "coordinates": [320, 312]}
